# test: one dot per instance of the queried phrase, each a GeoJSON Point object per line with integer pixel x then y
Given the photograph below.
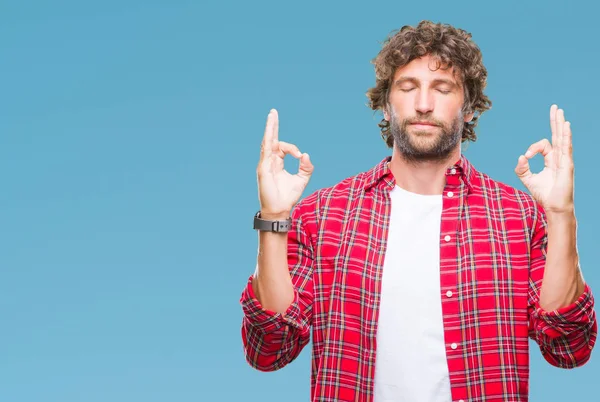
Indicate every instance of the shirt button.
{"type": "Point", "coordinates": [449, 293]}
{"type": "Point", "coordinates": [454, 346]}
{"type": "Point", "coordinates": [450, 193]}
{"type": "Point", "coordinates": [447, 238]}
{"type": "Point", "coordinates": [453, 171]}
{"type": "Point", "coordinates": [462, 400]}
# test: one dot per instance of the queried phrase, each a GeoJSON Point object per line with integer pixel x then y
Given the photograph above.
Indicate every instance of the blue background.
{"type": "Point", "coordinates": [129, 137]}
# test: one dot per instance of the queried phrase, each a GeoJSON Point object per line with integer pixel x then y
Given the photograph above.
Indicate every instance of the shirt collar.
{"type": "Point", "coordinates": [382, 172]}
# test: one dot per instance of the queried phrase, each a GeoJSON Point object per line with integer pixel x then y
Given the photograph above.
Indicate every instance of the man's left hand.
{"type": "Point", "coordinates": [552, 187]}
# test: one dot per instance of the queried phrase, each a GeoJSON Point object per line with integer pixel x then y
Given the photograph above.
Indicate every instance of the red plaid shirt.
{"type": "Point", "coordinates": [492, 248]}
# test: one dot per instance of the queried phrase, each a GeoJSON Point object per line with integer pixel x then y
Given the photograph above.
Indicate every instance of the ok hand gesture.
{"type": "Point", "coordinates": [552, 187]}
{"type": "Point", "coordinates": [279, 190]}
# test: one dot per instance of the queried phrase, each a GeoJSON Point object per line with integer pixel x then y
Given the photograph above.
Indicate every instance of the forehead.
{"type": "Point", "coordinates": [427, 68]}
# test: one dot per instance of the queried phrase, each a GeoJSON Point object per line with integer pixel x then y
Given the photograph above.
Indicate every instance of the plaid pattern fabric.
{"type": "Point", "coordinates": [492, 247]}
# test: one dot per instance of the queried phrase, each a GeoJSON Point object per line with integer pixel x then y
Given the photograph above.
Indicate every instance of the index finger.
{"type": "Point", "coordinates": [544, 147]}
{"type": "Point", "coordinates": [270, 135]}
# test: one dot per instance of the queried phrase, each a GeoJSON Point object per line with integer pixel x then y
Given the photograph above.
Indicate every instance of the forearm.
{"type": "Point", "coordinates": [272, 283]}
{"type": "Point", "coordinates": [272, 340]}
{"type": "Point", "coordinates": [562, 283]}
{"type": "Point", "coordinates": [277, 300]}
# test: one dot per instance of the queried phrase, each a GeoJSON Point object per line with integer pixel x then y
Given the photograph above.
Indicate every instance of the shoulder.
{"type": "Point", "coordinates": [509, 199]}
{"type": "Point", "coordinates": [338, 195]}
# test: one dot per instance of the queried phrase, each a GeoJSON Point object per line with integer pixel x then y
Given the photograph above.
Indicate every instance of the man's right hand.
{"type": "Point", "coordinates": [278, 190]}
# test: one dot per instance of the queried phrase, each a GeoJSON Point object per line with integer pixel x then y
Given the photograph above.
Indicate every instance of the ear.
{"type": "Point", "coordinates": [386, 115]}
{"type": "Point", "coordinates": [468, 117]}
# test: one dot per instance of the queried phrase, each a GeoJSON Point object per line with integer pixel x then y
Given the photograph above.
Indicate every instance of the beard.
{"type": "Point", "coordinates": [432, 145]}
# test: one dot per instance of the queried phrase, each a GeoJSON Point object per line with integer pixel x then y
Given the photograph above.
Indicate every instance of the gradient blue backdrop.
{"type": "Point", "coordinates": [129, 137]}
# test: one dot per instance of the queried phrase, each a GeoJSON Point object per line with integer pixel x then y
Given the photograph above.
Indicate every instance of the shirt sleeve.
{"type": "Point", "coordinates": [273, 340]}
{"type": "Point", "coordinates": [565, 336]}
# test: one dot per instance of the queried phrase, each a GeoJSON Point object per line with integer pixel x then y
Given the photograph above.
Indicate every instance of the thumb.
{"type": "Point", "coordinates": [522, 169]}
{"type": "Point", "coordinates": [306, 167]}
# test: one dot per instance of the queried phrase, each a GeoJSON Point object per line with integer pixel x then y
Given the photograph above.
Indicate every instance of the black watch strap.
{"type": "Point", "coordinates": [271, 226]}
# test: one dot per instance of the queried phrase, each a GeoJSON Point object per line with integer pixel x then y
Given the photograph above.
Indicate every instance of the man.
{"type": "Point", "coordinates": [422, 278]}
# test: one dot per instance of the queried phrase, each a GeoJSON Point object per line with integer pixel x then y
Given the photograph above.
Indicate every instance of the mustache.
{"type": "Point", "coordinates": [421, 120]}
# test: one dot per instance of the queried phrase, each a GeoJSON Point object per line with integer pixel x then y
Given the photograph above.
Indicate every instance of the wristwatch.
{"type": "Point", "coordinates": [271, 226]}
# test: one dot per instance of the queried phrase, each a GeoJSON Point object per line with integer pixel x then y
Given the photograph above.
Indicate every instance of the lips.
{"type": "Point", "coordinates": [424, 123]}
{"type": "Point", "coordinates": [424, 126]}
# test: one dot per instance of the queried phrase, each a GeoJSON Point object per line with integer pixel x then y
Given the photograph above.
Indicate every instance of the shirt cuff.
{"type": "Point", "coordinates": [565, 320]}
{"type": "Point", "coordinates": [267, 321]}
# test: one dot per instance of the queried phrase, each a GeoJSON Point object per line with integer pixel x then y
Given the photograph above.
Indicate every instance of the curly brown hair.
{"type": "Point", "coordinates": [452, 47]}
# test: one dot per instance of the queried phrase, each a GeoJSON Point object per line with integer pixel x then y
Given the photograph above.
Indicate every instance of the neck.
{"type": "Point", "coordinates": [422, 177]}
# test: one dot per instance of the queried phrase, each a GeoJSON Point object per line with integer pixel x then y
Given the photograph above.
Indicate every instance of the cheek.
{"type": "Point", "coordinates": [399, 107]}
{"type": "Point", "coordinates": [451, 109]}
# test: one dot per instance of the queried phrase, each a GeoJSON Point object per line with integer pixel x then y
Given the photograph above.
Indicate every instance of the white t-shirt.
{"type": "Point", "coordinates": [411, 360]}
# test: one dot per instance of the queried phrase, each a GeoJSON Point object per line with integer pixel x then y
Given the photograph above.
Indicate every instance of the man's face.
{"type": "Point", "coordinates": [425, 111]}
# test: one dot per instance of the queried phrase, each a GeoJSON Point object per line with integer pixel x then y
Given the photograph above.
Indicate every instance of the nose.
{"type": "Point", "coordinates": [424, 101]}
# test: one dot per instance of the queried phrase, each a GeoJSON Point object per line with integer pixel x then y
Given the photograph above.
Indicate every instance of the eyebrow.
{"type": "Point", "coordinates": [403, 79]}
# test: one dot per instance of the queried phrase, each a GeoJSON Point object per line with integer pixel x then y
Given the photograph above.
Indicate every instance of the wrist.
{"type": "Point", "coordinates": [274, 216]}
{"type": "Point", "coordinates": [564, 215]}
